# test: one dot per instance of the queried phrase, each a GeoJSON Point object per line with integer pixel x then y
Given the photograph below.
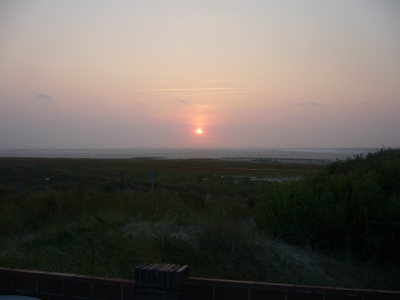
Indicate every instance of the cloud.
{"type": "Point", "coordinates": [41, 96]}
{"type": "Point", "coordinates": [315, 104]}
{"type": "Point", "coordinates": [190, 89]}
{"type": "Point", "coordinates": [318, 104]}
{"type": "Point", "coordinates": [205, 94]}
{"type": "Point", "coordinates": [219, 80]}
{"type": "Point", "coordinates": [296, 103]}
{"type": "Point", "coordinates": [364, 104]}
{"type": "Point", "coordinates": [182, 101]}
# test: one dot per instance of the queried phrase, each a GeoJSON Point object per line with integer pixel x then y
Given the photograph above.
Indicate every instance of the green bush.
{"type": "Point", "coordinates": [353, 205]}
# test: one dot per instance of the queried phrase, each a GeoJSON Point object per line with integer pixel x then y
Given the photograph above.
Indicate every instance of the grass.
{"type": "Point", "coordinates": [201, 213]}
{"type": "Point", "coordinates": [351, 207]}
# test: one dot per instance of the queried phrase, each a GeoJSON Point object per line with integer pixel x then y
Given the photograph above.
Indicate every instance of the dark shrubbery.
{"type": "Point", "coordinates": [353, 205]}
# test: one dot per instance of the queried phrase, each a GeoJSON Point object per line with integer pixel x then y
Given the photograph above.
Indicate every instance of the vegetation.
{"type": "Point", "coordinates": [352, 205]}
{"type": "Point", "coordinates": [92, 220]}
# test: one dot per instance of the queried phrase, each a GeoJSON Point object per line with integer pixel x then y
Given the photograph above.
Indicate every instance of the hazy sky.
{"type": "Point", "coordinates": [146, 73]}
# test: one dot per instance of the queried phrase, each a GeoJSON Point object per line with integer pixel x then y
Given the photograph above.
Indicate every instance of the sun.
{"type": "Point", "coordinates": [199, 131]}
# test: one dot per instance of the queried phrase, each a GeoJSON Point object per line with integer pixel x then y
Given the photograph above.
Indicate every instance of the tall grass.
{"type": "Point", "coordinates": [19, 214]}
{"type": "Point", "coordinates": [353, 205]}
{"type": "Point", "coordinates": [107, 235]}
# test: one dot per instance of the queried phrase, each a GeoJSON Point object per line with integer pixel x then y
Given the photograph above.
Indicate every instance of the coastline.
{"type": "Point", "coordinates": [285, 155]}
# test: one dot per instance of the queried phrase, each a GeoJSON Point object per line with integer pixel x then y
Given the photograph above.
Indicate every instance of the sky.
{"type": "Point", "coordinates": [150, 73]}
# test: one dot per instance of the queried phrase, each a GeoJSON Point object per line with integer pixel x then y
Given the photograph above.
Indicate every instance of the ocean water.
{"type": "Point", "coordinates": [279, 154]}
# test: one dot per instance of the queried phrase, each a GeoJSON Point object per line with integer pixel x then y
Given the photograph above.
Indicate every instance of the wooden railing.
{"type": "Point", "coordinates": [166, 281]}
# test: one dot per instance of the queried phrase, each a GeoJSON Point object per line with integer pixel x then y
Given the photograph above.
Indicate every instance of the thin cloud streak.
{"type": "Point", "coordinates": [318, 104]}
{"type": "Point", "coordinates": [204, 94]}
{"type": "Point", "coordinates": [41, 96]}
{"type": "Point", "coordinates": [315, 104]}
{"type": "Point", "coordinates": [184, 102]}
{"type": "Point", "coordinates": [191, 89]}
{"type": "Point", "coordinates": [221, 80]}
{"type": "Point", "coordinates": [296, 103]}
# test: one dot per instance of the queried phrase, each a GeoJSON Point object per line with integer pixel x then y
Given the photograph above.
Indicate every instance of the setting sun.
{"type": "Point", "coordinates": [199, 131]}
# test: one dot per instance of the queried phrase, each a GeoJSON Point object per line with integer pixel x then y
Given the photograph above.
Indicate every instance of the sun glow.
{"type": "Point", "coordinates": [199, 131]}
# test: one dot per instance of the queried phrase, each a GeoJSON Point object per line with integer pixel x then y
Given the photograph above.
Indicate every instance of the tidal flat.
{"type": "Point", "coordinates": [103, 217]}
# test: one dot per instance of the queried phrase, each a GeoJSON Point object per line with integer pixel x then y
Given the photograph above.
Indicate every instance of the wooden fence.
{"type": "Point", "coordinates": [166, 281]}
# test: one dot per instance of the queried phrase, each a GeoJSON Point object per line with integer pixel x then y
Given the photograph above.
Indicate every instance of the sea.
{"type": "Point", "coordinates": [304, 155]}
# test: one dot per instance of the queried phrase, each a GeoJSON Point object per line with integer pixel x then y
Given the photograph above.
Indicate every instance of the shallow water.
{"type": "Point", "coordinates": [281, 154]}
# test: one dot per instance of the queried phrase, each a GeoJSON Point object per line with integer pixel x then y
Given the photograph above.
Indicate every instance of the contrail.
{"type": "Point", "coordinates": [204, 94]}
{"type": "Point", "coordinates": [191, 89]}
{"type": "Point", "coordinates": [219, 80]}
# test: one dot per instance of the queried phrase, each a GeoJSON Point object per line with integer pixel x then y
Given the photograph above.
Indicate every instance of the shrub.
{"type": "Point", "coordinates": [354, 204]}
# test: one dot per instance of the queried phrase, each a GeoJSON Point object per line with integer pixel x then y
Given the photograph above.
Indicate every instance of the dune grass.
{"type": "Point", "coordinates": [352, 205]}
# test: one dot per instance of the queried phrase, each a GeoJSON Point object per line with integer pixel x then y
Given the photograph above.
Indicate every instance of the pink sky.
{"type": "Point", "coordinates": [112, 74]}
